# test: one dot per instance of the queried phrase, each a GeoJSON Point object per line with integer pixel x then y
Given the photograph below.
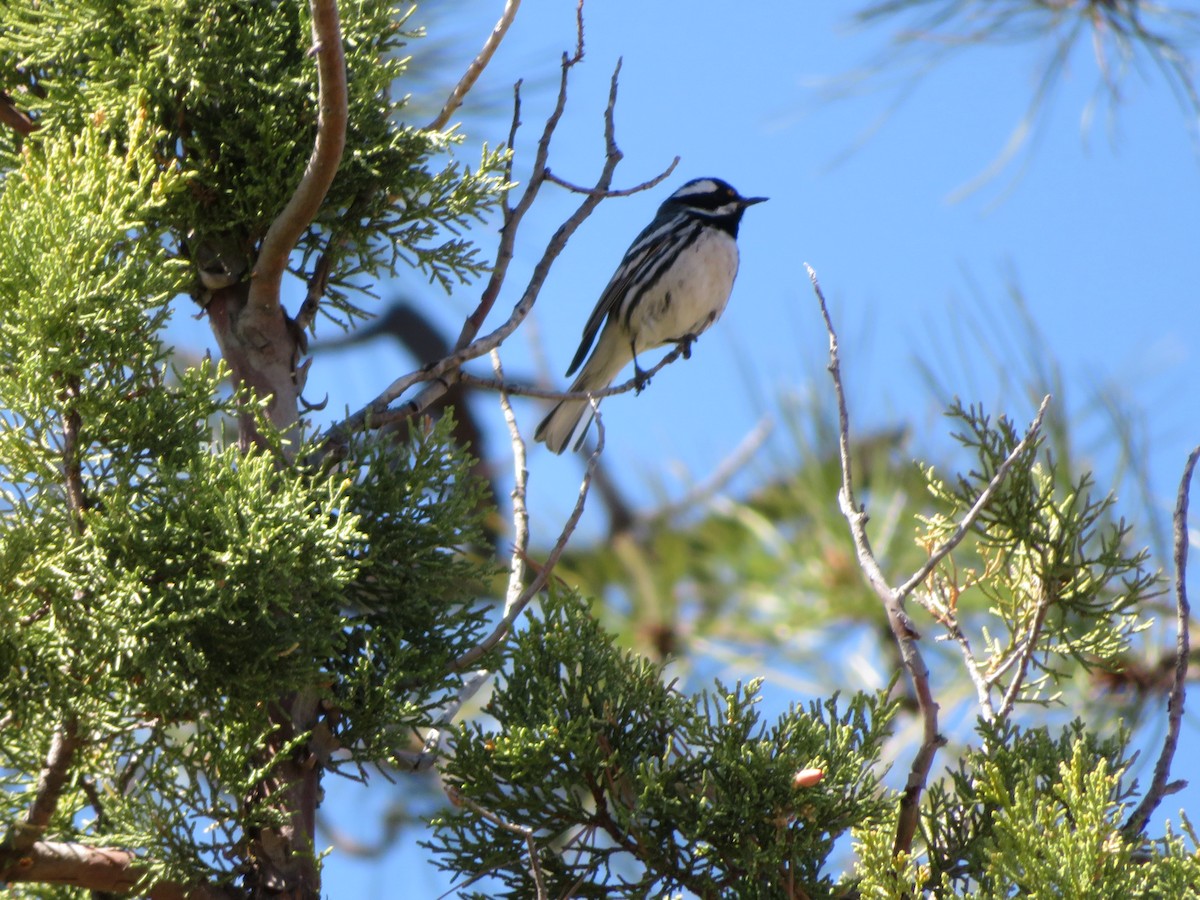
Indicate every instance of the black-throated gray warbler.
{"type": "Point", "coordinates": [672, 284]}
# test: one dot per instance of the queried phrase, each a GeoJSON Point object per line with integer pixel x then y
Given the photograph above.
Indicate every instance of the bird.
{"type": "Point", "coordinates": [673, 283]}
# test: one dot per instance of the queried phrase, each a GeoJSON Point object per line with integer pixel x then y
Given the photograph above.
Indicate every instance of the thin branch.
{"type": "Point", "coordinates": [981, 682]}
{"type": "Point", "coordinates": [514, 608]}
{"type": "Point", "coordinates": [318, 282]}
{"type": "Point", "coordinates": [901, 626]}
{"type": "Point", "coordinates": [51, 781]}
{"type": "Point", "coordinates": [323, 164]}
{"type": "Point", "coordinates": [615, 192]}
{"type": "Point", "coordinates": [516, 580]}
{"type": "Point", "coordinates": [520, 513]}
{"type": "Point", "coordinates": [422, 760]}
{"type": "Point", "coordinates": [1159, 787]}
{"type": "Point", "coordinates": [720, 476]}
{"type": "Point", "coordinates": [981, 502]}
{"type": "Point", "coordinates": [1029, 647]}
{"type": "Point", "coordinates": [512, 219]}
{"type": "Point", "coordinates": [475, 69]}
{"type": "Point", "coordinates": [518, 390]}
{"type": "Point", "coordinates": [444, 372]}
{"type": "Point", "coordinates": [72, 465]}
{"type": "Point", "coordinates": [535, 867]}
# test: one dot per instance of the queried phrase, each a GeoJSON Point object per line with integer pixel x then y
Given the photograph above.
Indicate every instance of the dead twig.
{"type": "Point", "coordinates": [902, 628]}
{"type": "Point", "coordinates": [518, 390]}
{"type": "Point", "coordinates": [446, 371]}
{"type": "Point", "coordinates": [614, 192]}
{"type": "Point", "coordinates": [475, 69]}
{"type": "Point", "coordinates": [318, 282]}
{"type": "Point", "coordinates": [514, 607]}
{"type": "Point", "coordinates": [1159, 786]}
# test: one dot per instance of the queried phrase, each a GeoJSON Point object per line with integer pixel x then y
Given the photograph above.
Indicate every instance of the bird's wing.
{"type": "Point", "coordinates": [642, 254]}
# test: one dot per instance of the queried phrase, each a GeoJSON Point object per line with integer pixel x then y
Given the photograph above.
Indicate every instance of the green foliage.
{"type": "Point", "coordinates": [1034, 815]}
{"type": "Point", "coordinates": [1052, 567]}
{"type": "Point", "coordinates": [186, 584]}
{"type": "Point", "coordinates": [231, 89]}
{"type": "Point", "coordinates": [629, 788]}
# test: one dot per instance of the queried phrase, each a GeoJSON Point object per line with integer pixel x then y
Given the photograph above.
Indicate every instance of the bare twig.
{"type": "Point", "coordinates": [323, 164]}
{"type": "Point", "coordinates": [981, 502]}
{"type": "Point", "coordinates": [535, 867]}
{"type": "Point", "coordinates": [730, 466]}
{"type": "Point", "coordinates": [902, 628]}
{"type": "Point", "coordinates": [422, 760]}
{"type": "Point", "coordinates": [51, 781]}
{"type": "Point", "coordinates": [981, 682]}
{"type": "Point", "coordinates": [519, 390]}
{"type": "Point", "coordinates": [615, 192]}
{"type": "Point", "coordinates": [1028, 648]}
{"type": "Point", "coordinates": [475, 69]}
{"type": "Point", "coordinates": [516, 578]}
{"type": "Point", "coordinates": [520, 514]}
{"type": "Point", "coordinates": [511, 145]}
{"type": "Point", "coordinates": [1159, 787]}
{"type": "Point", "coordinates": [317, 284]}
{"type": "Point", "coordinates": [514, 608]}
{"type": "Point", "coordinates": [446, 371]}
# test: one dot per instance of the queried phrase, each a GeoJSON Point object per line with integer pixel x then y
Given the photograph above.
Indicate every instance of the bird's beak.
{"type": "Point", "coordinates": [750, 201]}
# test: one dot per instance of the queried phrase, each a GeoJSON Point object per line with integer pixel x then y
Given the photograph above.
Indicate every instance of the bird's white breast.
{"type": "Point", "coordinates": [691, 295]}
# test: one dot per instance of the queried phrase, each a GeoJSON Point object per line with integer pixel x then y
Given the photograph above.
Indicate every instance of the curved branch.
{"type": "Point", "coordinates": [323, 164]}
{"type": "Point", "coordinates": [475, 69]}
{"type": "Point", "coordinates": [1159, 787]}
{"type": "Point", "coordinates": [616, 192]}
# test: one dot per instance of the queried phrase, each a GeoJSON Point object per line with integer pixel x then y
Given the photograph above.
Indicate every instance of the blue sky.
{"type": "Point", "coordinates": [1097, 223]}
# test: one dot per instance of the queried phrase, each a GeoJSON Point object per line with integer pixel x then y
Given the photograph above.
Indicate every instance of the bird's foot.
{"type": "Point", "coordinates": [641, 378]}
{"type": "Point", "coordinates": [685, 345]}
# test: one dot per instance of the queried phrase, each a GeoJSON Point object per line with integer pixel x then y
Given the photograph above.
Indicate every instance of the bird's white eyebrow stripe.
{"type": "Point", "coordinates": [704, 186]}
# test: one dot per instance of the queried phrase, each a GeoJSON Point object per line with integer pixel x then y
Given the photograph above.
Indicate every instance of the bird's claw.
{"type": "Point", "coordinates": [641, 379]}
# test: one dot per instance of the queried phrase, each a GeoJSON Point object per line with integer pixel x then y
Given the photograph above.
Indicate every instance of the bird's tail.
{"type": "Point", "coordinates": [568, 422]}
